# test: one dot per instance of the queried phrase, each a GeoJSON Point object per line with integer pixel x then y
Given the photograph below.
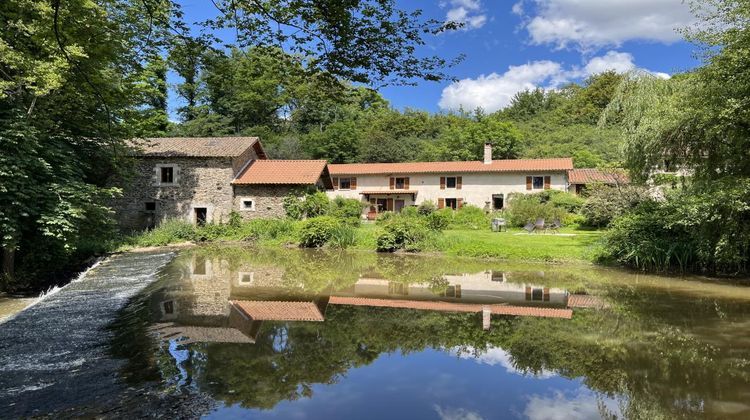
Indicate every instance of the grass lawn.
{"type": "Point", "coordinates": [514, 245]}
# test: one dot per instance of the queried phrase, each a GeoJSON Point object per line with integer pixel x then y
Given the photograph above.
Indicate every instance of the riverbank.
{"type": "Point", "coordinates": [514, 245]}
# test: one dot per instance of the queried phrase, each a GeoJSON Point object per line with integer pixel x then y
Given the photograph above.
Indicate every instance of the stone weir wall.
{"type": "Point", "coordinates": [198, 183]}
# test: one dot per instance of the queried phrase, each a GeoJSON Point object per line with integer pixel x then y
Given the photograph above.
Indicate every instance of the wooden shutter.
{"type": "Point", "coordinates": [528, 293]}
{"type": "Point", "coordinates": [441, 203]}
{"type": "Point", "coordinates": [389, 204]}
{"type": "Point", "coordinates": [335, 183]}
{"type": "Point", "coordinates": [529, 181]}
{"type": "Point", "coordinates": [546, 294]}
{"type": "Point", "coordinates": [393, 183]}
{"type": "Point", "coordinates": [459, 203]}
{"type": "Point", "coordinates": [353, 183]}
{"type": "Point", "coordinates": [406, 183]}
{"type": "Point", "coordinates": [547, 182]}
{"type": "Point", "coordinates": [442, 182]}
{"type": "Point", "coordinates": [459, 182]}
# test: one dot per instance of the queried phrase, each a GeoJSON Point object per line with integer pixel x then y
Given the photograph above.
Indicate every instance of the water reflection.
{"type": "Point", "coordinates": [420, 337]}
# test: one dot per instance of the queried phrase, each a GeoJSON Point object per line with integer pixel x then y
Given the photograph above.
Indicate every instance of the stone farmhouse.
{"type": "Point", "coordinates": [485, 184]}
{"type": "Point", "coordinates": [202, 180]}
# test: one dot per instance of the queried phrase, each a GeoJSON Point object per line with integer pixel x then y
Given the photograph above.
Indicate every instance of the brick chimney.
{"type": "Point", "coordinates": [487, 153]}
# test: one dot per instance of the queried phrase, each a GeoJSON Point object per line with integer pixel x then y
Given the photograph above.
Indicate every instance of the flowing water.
{"type": "Point", "coordinates": [312, 334]}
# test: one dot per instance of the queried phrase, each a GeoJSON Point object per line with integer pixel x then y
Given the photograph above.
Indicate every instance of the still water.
{"type": "Point", "coordinates": [320, 335]}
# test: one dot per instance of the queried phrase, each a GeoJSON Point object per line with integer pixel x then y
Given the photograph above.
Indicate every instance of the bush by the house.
{"type": "Point", "coordinates": [604, 203]}
{"type": "Point", "coordinates": [470, 217]}
{"type": "Point", "coordinates": [347, 208]}
{"type": "Point", "coordinates": [426, 208]}
{"type": "Point", "coordinates": [301, 206]}
{"type": "Point", "coordinates": [440, 219]}
{"type": "Point", "coordinates": [525, 208]}
{"type": "Point", "coordinates": [315, 232]}
{"type": "Point", "coordinates": [402, 233]}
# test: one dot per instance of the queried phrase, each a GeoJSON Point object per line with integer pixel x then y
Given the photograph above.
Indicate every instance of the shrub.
{"type": "Point", "coordinates": [426, 208]}
{"type": "Point", "coordinates": [343, 237]}
{"type": "Point", "coordinates": [439, 220]}
{"type": "Point", "coordinates": [270, 229]}
{"type": "Point", "coordinates": [402, 232]}
{"type": "Point", "coordinates": [316, 231]}
{"type": "Point", "coordinates": [524, 208]}
{"type": "Point", "coordinates": [604, 203]}
{"type": "Point", "coordinates": [470, 217]}
{"type": "Point", "coordinates": [346, 208]}
{"type": "Point", "coordinates": [571, 203]}
{"type": "Point", "coordinates": [312, 204]}
{"type": "Point", "coordinates": [410, 211]}
{"type": "Point", "coordinates": [170, 231]}
{"type": "Point", "coordinates": [384, 217]}
{"type": "Point", "coordinates": [235, 220]}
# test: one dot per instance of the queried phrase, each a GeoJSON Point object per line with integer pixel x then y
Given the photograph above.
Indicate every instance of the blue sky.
{"type": "Point", "coordinates": [513, 45]}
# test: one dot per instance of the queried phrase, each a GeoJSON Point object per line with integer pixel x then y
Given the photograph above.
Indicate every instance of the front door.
{"type": "Point", "coordinates": [201, 215]}
{"type": "Point", "coordinates": [399, 204]}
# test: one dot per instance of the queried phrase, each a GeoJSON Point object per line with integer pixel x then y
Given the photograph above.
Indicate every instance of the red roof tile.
{"type": "Point", "coordinates": [289, 172]}
{"type": "Point", "coordinates": [193, 146]}
{"type": "Point", "coordinates": [388, 192]}
{"type": "Point", "coordinates": [506, 165]}
{"type": "Point", "coordinates": [453, 307]}
{"type": "Point", "coordinates": [590, 175]}
{"type": "Point", "coordinates": [261, 310]}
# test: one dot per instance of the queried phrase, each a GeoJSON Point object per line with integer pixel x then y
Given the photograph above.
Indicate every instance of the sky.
{"type": "Point", "coordinates": [514, 45]}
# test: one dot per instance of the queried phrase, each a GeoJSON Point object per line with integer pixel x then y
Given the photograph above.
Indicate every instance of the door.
{"type": "Point", "coordinates": [201, 215]}
{"type": "Point", "coordinates": [399, 205]}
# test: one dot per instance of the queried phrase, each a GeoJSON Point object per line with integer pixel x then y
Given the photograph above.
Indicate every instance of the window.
{"type": "Point", "coordinates": [450, 182]}
{"type": "Point", "coordinates": [246, 279]}
{"type": "Point", "coordinates": [150, 206]}
{"type": "Point", "coordinates": [498, 201]}
{"type": "Point", "coordinates": [248, 204]}
{"type": "Point", "coordinates": [400, 183]}
{"type": "Point", "coordinates": [168, 307]}
{"type": "Point", "coordinates": [397, 289]}
{"type": "Point", "coordinates": [537, 182]}
{"type": "Point", "coordinates": [451, 203]}
{"type": "Point", "coordinates": [452, 291]}
{"type": "Point", "coordinates": [345, 183]}
{"type": "Point", "coordinates": [167, 175]}
{"type": "Point", "coordinates": [498, 276]}
{"type": "Point", "coordinates": [537, 293]}
{"type": "Point", "coordinates": [199, 267]}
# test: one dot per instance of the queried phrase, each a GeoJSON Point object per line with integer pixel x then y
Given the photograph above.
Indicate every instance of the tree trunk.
{"type": "Point", "coordinates": [9, 262]}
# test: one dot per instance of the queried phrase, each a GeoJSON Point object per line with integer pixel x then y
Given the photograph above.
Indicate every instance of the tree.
{"type": "Point", "coordinates": [186, 58]}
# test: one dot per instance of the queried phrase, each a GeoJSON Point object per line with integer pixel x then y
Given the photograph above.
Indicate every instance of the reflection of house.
{"type": "Point", "coordinates": [486, 184]}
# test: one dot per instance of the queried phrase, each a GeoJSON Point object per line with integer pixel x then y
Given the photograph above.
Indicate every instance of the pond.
{"type": "Point", "coordinates": [311, 334]}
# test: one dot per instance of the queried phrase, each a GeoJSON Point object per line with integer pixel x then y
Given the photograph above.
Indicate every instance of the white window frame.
{"type": "Point", "coordinates": [242, 274]}
{"type": "Point", "coordinates": [242, 203]}
{"type": "Point", "coordinates": [175, 174]}
{"type": "Point", "coordinates": [533, 177]}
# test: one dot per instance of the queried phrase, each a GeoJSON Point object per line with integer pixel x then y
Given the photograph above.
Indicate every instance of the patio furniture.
{"type": "Point", "coordinates": [555, 226]}
{"type": "Point", "coordinates": [529, 227]}
{"type": "Point", "coordinates": [498, 224]}
{"type": "Point", "coordinates": [539, 225]}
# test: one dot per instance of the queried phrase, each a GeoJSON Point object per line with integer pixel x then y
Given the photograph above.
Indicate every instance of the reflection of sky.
{"type": "Point", "coordinates": [497, 356]}
{"type": "Point", "coordinates": [436, 385]}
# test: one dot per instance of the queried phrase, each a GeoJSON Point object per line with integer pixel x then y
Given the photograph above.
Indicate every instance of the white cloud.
{"type": "Point", "coordinates": [456, 414]}
{"type": "Point", "coordinates": [495, 91]}
{"type": "Point", "coordinates": [590, 24]}
{"type": "Point", "coordinates": [468, 12]}
{"type": "Point", "coordinates": [583, 405]}
{"type": "Point", "coordinates": [497, 356]}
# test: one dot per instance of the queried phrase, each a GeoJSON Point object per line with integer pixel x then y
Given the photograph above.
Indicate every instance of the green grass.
{"type": "Point", "coordinates": [509, 246]}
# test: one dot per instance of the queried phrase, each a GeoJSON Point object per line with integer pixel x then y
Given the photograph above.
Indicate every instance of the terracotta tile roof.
{"type": "Point", "coordinates": [289, 172]}
{"type": "Point", "coordinates": [590, 175]}
{"type": "Point", "coordinates": [506, 165]}
{"type": "Point", "coordinates": [273, 310]}
{"type": "Point", "coordinates": [193, 146]}
{"type": "Point", "coordinates": [389, 192]}
{"type": "Point", "coordinates": [454, 307]}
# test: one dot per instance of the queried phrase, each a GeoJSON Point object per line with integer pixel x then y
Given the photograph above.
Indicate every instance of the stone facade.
{"type": "Point", "coordinates": [267, 200]}
{"type": "Point", "coordinates": [199, 183]}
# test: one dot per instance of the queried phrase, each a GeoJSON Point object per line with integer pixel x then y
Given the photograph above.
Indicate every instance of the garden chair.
{"type": "Point", "coordinates": [555, 226]}
{"type": "Point", "coordinates": [539, 225]}
{"type": "Point", "coordinates": [529, 227]}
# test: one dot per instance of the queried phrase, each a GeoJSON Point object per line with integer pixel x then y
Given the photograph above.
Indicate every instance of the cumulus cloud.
{"type": "Point", "coordinates": [590, 24]}
{"type": "Point", "coordinates": [456, 414]}
{"type": "Point", "coordinates": [582, 405]}
{"type": "Point", "coordinates": [496, 356]}
{"type": "Point", "coordinates": [468, 12]}
{"type": "Point", "coordinates": [495, 91]}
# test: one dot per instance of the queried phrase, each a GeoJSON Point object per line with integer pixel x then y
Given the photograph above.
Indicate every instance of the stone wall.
{"type": "Point", "coordinates": [268, 200]}
{"type": "Point", "coordinates": [199, 182]}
